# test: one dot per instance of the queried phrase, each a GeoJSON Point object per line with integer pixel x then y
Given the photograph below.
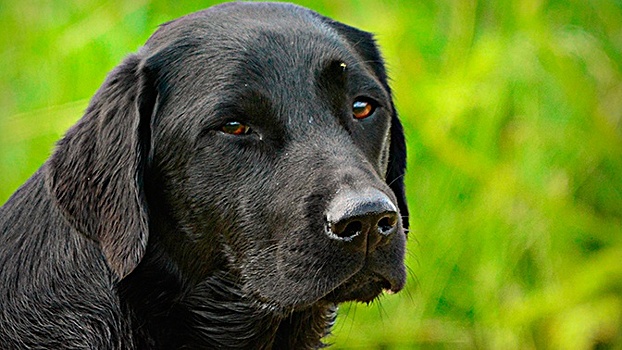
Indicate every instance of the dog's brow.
{"type": "Point", "coordinates": [333, 71]}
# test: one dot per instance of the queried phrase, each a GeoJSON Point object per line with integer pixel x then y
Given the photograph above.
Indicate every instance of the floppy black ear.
{"type": "Point", "coordinates": [96, 171]}
{"type": "Point", "coordinates": [365, 46]}
{"type": "Point", "coordinates": [397, 166]}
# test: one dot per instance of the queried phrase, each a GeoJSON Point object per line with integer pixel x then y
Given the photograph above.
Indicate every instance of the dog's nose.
{"type": "Point", "coordinates": [366, 218]}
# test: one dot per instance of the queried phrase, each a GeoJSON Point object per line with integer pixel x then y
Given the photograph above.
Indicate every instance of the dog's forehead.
{"type": "Point", "coordinates": [266, 42]}
{"type": "Point", "coordinates": [237, 23]}
{"type": "Point", "coordinates": [234, 51]}
{"type": "Point", "coordinates": [251, 33]}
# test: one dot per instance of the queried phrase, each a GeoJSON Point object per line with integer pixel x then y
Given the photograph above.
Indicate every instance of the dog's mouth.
{"type": "Point", "coordinates": [363, 288]}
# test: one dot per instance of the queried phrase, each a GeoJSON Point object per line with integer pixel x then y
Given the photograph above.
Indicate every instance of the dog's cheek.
{"type": "Point", "coordinates": [301, 272]}
{"type": "Point", "coordinates": [301, 264]}
{"type": "Point", "coordinates": [318, 265]}
{"type": "Point", "coordinates": [388, 260]}
{"type": "Point", "coordinates": [242, 192]}
{"type": "Point", "coordinates": [374, 141]}
{"type": "Point", "coordinates": [200, 191]}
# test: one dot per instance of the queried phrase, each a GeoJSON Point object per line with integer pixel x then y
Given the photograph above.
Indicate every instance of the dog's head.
{"type": "Point", "coordinates": [259, 138]}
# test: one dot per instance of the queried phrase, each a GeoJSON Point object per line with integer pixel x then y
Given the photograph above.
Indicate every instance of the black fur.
{"type": "Point", "coordinates": [150, 228]}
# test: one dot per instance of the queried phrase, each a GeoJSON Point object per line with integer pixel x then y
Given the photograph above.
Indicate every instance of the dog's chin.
{"type": "Point", "coordinates": [362, 289]}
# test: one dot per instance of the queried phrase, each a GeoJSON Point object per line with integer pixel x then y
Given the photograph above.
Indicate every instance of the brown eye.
{"type": "Point", "coordinates": [235, 128]}
{"type": "Point", "coordinates": [362, 108]}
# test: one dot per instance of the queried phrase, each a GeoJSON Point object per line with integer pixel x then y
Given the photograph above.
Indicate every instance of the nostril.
{"type": "Point", "coordinates": [346, 230]}
{"type": "Point", "coordinates": [387, 224]}
{"type": "Point", "coordinates": [352, 229]}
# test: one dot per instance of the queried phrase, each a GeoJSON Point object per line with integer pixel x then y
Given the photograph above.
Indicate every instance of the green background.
{"type": "Point", "coordinates": [513, 114]}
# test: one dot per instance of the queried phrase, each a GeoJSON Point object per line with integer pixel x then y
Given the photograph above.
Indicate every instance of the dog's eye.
{"type": "Point", "coordinates": [363, 108]}
{"type": "Point", "coordinates": [235, 128]}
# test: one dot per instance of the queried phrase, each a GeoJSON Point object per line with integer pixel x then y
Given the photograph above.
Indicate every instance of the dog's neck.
{"type": "Point", "coordinates": [162, 304]}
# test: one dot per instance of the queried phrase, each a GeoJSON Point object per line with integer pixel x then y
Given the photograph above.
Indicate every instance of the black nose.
{"type": "Point", "coordinates": [366, 218]}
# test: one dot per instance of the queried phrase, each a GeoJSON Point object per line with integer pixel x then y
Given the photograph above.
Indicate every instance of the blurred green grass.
{"type": "Point", "coordinates": [513, 113]}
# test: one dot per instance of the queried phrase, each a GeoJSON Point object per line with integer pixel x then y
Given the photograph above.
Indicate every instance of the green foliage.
{"type": "Point", "coordinates": [513, 112]}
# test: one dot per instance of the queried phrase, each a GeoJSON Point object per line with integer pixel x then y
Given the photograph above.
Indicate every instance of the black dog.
{"type": "Point", "coordinates": [227, 187]}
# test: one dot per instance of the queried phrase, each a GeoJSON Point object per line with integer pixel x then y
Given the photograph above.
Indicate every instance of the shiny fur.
{"type": "Point", "coordinates": [151, 228]}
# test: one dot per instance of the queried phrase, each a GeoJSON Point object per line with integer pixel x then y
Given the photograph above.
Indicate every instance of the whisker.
{"type": "Point", "coordinates": [397, 178]}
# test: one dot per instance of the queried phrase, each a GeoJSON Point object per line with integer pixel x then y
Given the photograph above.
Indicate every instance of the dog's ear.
{"type": "Point", "coordinates": [96, 171]}
{"type": "Point", "coordinates": [365, 46]}
{"type": "Point", "coordinates": [397, 166]}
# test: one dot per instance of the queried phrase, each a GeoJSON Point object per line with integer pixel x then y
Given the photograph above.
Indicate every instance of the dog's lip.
{"type": "Point", "coordinates": [363, 288]}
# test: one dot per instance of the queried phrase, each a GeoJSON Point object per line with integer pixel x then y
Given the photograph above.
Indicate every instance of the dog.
{"type": "Point", "coordinates": [229, 185]}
